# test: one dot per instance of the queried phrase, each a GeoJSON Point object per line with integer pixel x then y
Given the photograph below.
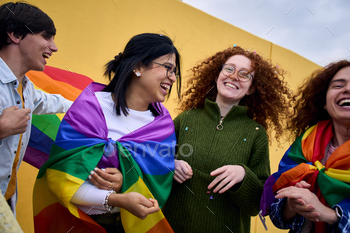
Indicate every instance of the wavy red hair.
{"type": "Point", "coordinates": [267, 105]}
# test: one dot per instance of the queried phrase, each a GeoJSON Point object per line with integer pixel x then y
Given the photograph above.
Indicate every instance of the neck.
{"type": "Point", "coordinates": [13, 60]}
{"type": "Point", "coordinates": [225, 106]}
{"type": "Point", "coordinates": [341, 133]}
{"type": "Point", "coordinates": [136, 102]}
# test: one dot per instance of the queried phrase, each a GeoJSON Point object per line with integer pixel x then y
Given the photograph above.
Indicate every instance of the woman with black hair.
{"type": "Point", "coordinates": [122, 125]}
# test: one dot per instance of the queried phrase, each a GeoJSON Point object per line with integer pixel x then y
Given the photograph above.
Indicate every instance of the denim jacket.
{"type": "Point", "coordinates": [38, 102]}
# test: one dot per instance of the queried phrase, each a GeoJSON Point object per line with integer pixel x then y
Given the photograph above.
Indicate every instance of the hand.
{"type": "Point", "coordinates": [108, 179]}
{"type": "Point", "coordinates": [229, 175]}
{"type": "Point", "coordinates": [183, 171]}
{"type": "Point", "coordinates": [13, 121]}
{"type": "Point", "coordinates": [303, 184]}
{"type": "Point", "coordinates": [302, 201]}
{"type": "Point", "coordinates": [135, 203]}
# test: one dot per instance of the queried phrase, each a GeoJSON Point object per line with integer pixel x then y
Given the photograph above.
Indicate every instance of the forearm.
{"type": "Point", "coordinates": [89, 195]}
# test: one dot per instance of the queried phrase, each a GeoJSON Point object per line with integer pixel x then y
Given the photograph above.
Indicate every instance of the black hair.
{"type": "Point", "coordinates": [22, 18]}
{"type": "Point", "coordinates": [142, 49]}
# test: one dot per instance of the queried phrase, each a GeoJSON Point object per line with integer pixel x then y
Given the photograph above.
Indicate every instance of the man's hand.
{"type": "Point", "coordinates": [13, 121]}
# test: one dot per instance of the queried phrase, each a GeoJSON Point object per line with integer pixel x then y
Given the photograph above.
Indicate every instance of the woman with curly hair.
{"type": "Point", "coordinates": [311, 191]}
{"type": "Point", "coordinates": [233, 98]}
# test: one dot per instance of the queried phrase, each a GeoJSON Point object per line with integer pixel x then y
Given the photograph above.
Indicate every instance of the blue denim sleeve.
{"type": "Point", "coordinates": [343, 225]}
{"type": "Point", "coordinates": [277, 218]}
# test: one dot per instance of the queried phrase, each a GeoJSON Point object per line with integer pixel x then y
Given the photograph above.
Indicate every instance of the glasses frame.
{"type": "Point", "coordinates": [168, 69]}
{"type": "Point", "coordinates": [240, 76]}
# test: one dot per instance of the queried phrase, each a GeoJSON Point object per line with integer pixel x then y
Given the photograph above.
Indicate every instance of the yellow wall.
{"type": "Point", "coordinates": [91, 32]}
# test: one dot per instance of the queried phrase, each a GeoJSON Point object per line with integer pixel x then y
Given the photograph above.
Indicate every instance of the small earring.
{"type": "Point", "coordinates": [138, 74]}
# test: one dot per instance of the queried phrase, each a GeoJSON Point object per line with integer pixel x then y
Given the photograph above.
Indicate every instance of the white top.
{"type": "Point", "coordinates": [88, 197]}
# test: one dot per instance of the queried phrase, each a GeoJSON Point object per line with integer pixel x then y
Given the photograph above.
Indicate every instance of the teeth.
{"type": "Point", "coordinates": [230, 85]}
{"type": "Point", "coordinates": [345, 102]}
{"type": "Point", "coordinates": [165, 86]}
{"type": "Point", "coordinates": [46, 55]}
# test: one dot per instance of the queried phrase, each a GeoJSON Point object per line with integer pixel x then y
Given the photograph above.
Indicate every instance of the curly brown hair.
{"type": "Point", "coordinates": [308, 103]}
{"type": "Point", "coordinates": [267, 105]}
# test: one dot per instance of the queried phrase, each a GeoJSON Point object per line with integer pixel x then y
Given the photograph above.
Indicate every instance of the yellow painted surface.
{"type": "Point", "coordinates": [90, 33]}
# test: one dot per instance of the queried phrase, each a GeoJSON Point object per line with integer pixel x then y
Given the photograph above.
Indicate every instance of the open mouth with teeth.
{"type": "Point", "coordinates": [46, 56]}
{"type": "Point", "coordinates": [231, 85]}
{"type": "Point", "coordinates": [344, 103]}
{"type": "Point", "coordinates": [165, 87]}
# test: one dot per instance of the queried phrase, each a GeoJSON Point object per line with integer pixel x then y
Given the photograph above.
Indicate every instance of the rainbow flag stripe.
{"type": "Point", "coordinates": [44, 127]}
{"type": "Point", "coordinates": [145, 156]}
{"type": "Point", "coordinates": [301, 162]}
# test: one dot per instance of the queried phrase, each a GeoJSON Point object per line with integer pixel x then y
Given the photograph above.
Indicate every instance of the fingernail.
{"type": "Point", "coordinates": [103, 169]}
{"type": "Point", "coordinates": [95, 168]}
{"type": "Point", "coordinates": [89, 177]}
{"type": "Point", "coordinates": [92, 172]}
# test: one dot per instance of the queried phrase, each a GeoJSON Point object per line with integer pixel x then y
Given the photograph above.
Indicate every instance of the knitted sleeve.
{"type": "Point", "coordinates": [247, 195]}
{"type": "Point", "coordinates": [177, 124]}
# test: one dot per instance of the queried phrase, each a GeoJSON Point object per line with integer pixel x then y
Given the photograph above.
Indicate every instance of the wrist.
{"type": "Point", "coordinates": [288, 213]}
{"type": "Point", "coordinates": [116, 199]}
{"type": "Point", "coordinates": [334, 215]}
{"type": "Point", "coordinates": [106, 204]}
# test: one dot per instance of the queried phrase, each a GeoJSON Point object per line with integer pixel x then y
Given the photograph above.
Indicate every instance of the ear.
{"type": "Point", "coordinates": [251, 90]}
{"type": "Point", "coordinates": [13, 38]}
{"type": "Point", "coordinates": [137, 72]}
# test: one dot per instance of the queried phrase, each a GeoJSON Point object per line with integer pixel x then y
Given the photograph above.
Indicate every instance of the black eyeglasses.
{"type": "Point", "coordinates": [170, 69]}
{"type": "Point", "coordinates": [243, 75]}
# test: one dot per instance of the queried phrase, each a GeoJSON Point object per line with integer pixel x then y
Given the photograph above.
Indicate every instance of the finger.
{"type": "Point", "coordinates": [178, 180]}
{"type": "Point", "coordinates": [26, 111]}
{"type": "Point", "coordinates": [189, 168]}
{"type": "Point", "coordinates": [227, 187]}
{"type": "Point", "coordinates": [186, 170]}
{"type": "Point", "coordinates": [179, 176]}
{"type": "Point", "coordinates": [217, 171]}
{"type": "Point", "coordinates": [99, 182]}
{"type": "Point", "coordinates": [155, 208]}
{"type": "Point", "coordinates": [222, 184]}
{"type": "Point", "coordinates": [214, 182]}
{"type": "Point", "coordinates": [111, 170]}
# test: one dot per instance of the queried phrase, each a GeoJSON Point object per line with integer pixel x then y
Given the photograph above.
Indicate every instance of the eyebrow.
{"type": "Point", "coordinates": [338, 80]}
{"type": "Point", "coordinates": [236, 66]}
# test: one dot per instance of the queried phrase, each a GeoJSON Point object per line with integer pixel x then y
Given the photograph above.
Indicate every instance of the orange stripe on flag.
{"type": "Point", "coordinates": [51, 86]}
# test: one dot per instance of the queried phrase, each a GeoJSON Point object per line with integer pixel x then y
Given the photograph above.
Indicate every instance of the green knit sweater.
{"type": "Point", "coordinates": [242, 141]}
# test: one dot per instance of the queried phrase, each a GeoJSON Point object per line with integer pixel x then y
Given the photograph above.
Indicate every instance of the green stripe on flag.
{"type": "Point", "coordinates": [77, 162]}
{"type": "Point", "coordinates": [48, 124]}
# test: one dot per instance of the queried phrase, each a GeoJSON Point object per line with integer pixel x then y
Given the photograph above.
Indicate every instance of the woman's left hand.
{"type": "Point", "coordinates": [228, 176]}
{"type": "Point", "coordinates": [109, 178]}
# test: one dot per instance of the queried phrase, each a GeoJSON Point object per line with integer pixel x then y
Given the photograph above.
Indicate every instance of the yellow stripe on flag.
{"type": "Point", "coordinates": [338, 174]}
{"type": "Point", "coordinates": [131, 223]}
{"type": "Point", "coordinates": [64, 190]}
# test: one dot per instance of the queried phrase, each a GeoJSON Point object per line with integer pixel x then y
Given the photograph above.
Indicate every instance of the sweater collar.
{"type": "Point", "coordinates": [212, 109]}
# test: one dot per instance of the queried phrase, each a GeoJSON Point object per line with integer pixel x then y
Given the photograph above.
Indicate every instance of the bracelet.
{"type": "Point", "coordinates": [107, 207]}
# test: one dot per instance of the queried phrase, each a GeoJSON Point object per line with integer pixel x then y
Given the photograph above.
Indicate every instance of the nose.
{"type": "Point", "coordinates": [172, 76]}
{"type": "Point", "coordinates": [52, 46]}
{"type": "Point", "coordinates": [234, 76]}
{"type": "Point", "coordinates": [347, 88]}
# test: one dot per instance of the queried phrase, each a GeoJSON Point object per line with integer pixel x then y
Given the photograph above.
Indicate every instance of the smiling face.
{"type": "Point", "coordinates": [338, 97]}
{"type": "Point", "coordinates": [230, 89]}
{"type": "Point", "coordinates": [35, 49]}
{"type": "Point", "coordinates": [153, 84]}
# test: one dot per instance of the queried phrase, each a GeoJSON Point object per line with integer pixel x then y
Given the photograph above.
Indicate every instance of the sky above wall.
{"type": "Point", "coordinates": [318, 30]}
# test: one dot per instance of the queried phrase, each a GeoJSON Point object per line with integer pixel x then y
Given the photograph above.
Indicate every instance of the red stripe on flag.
{"type": "Point", "coordinates": [76, 80]}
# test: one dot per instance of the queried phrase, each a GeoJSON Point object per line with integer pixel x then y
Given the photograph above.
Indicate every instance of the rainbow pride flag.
{"type": "Point", "coordinates": [302, 162]}
{"type": "Point", "coordinates": [145, 158]}
{"type": "Point", "coordinates": [44, 127]}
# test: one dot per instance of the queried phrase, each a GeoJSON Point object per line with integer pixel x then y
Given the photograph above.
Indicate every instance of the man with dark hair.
{"type": "Point", "coordinates": [26, 41]}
